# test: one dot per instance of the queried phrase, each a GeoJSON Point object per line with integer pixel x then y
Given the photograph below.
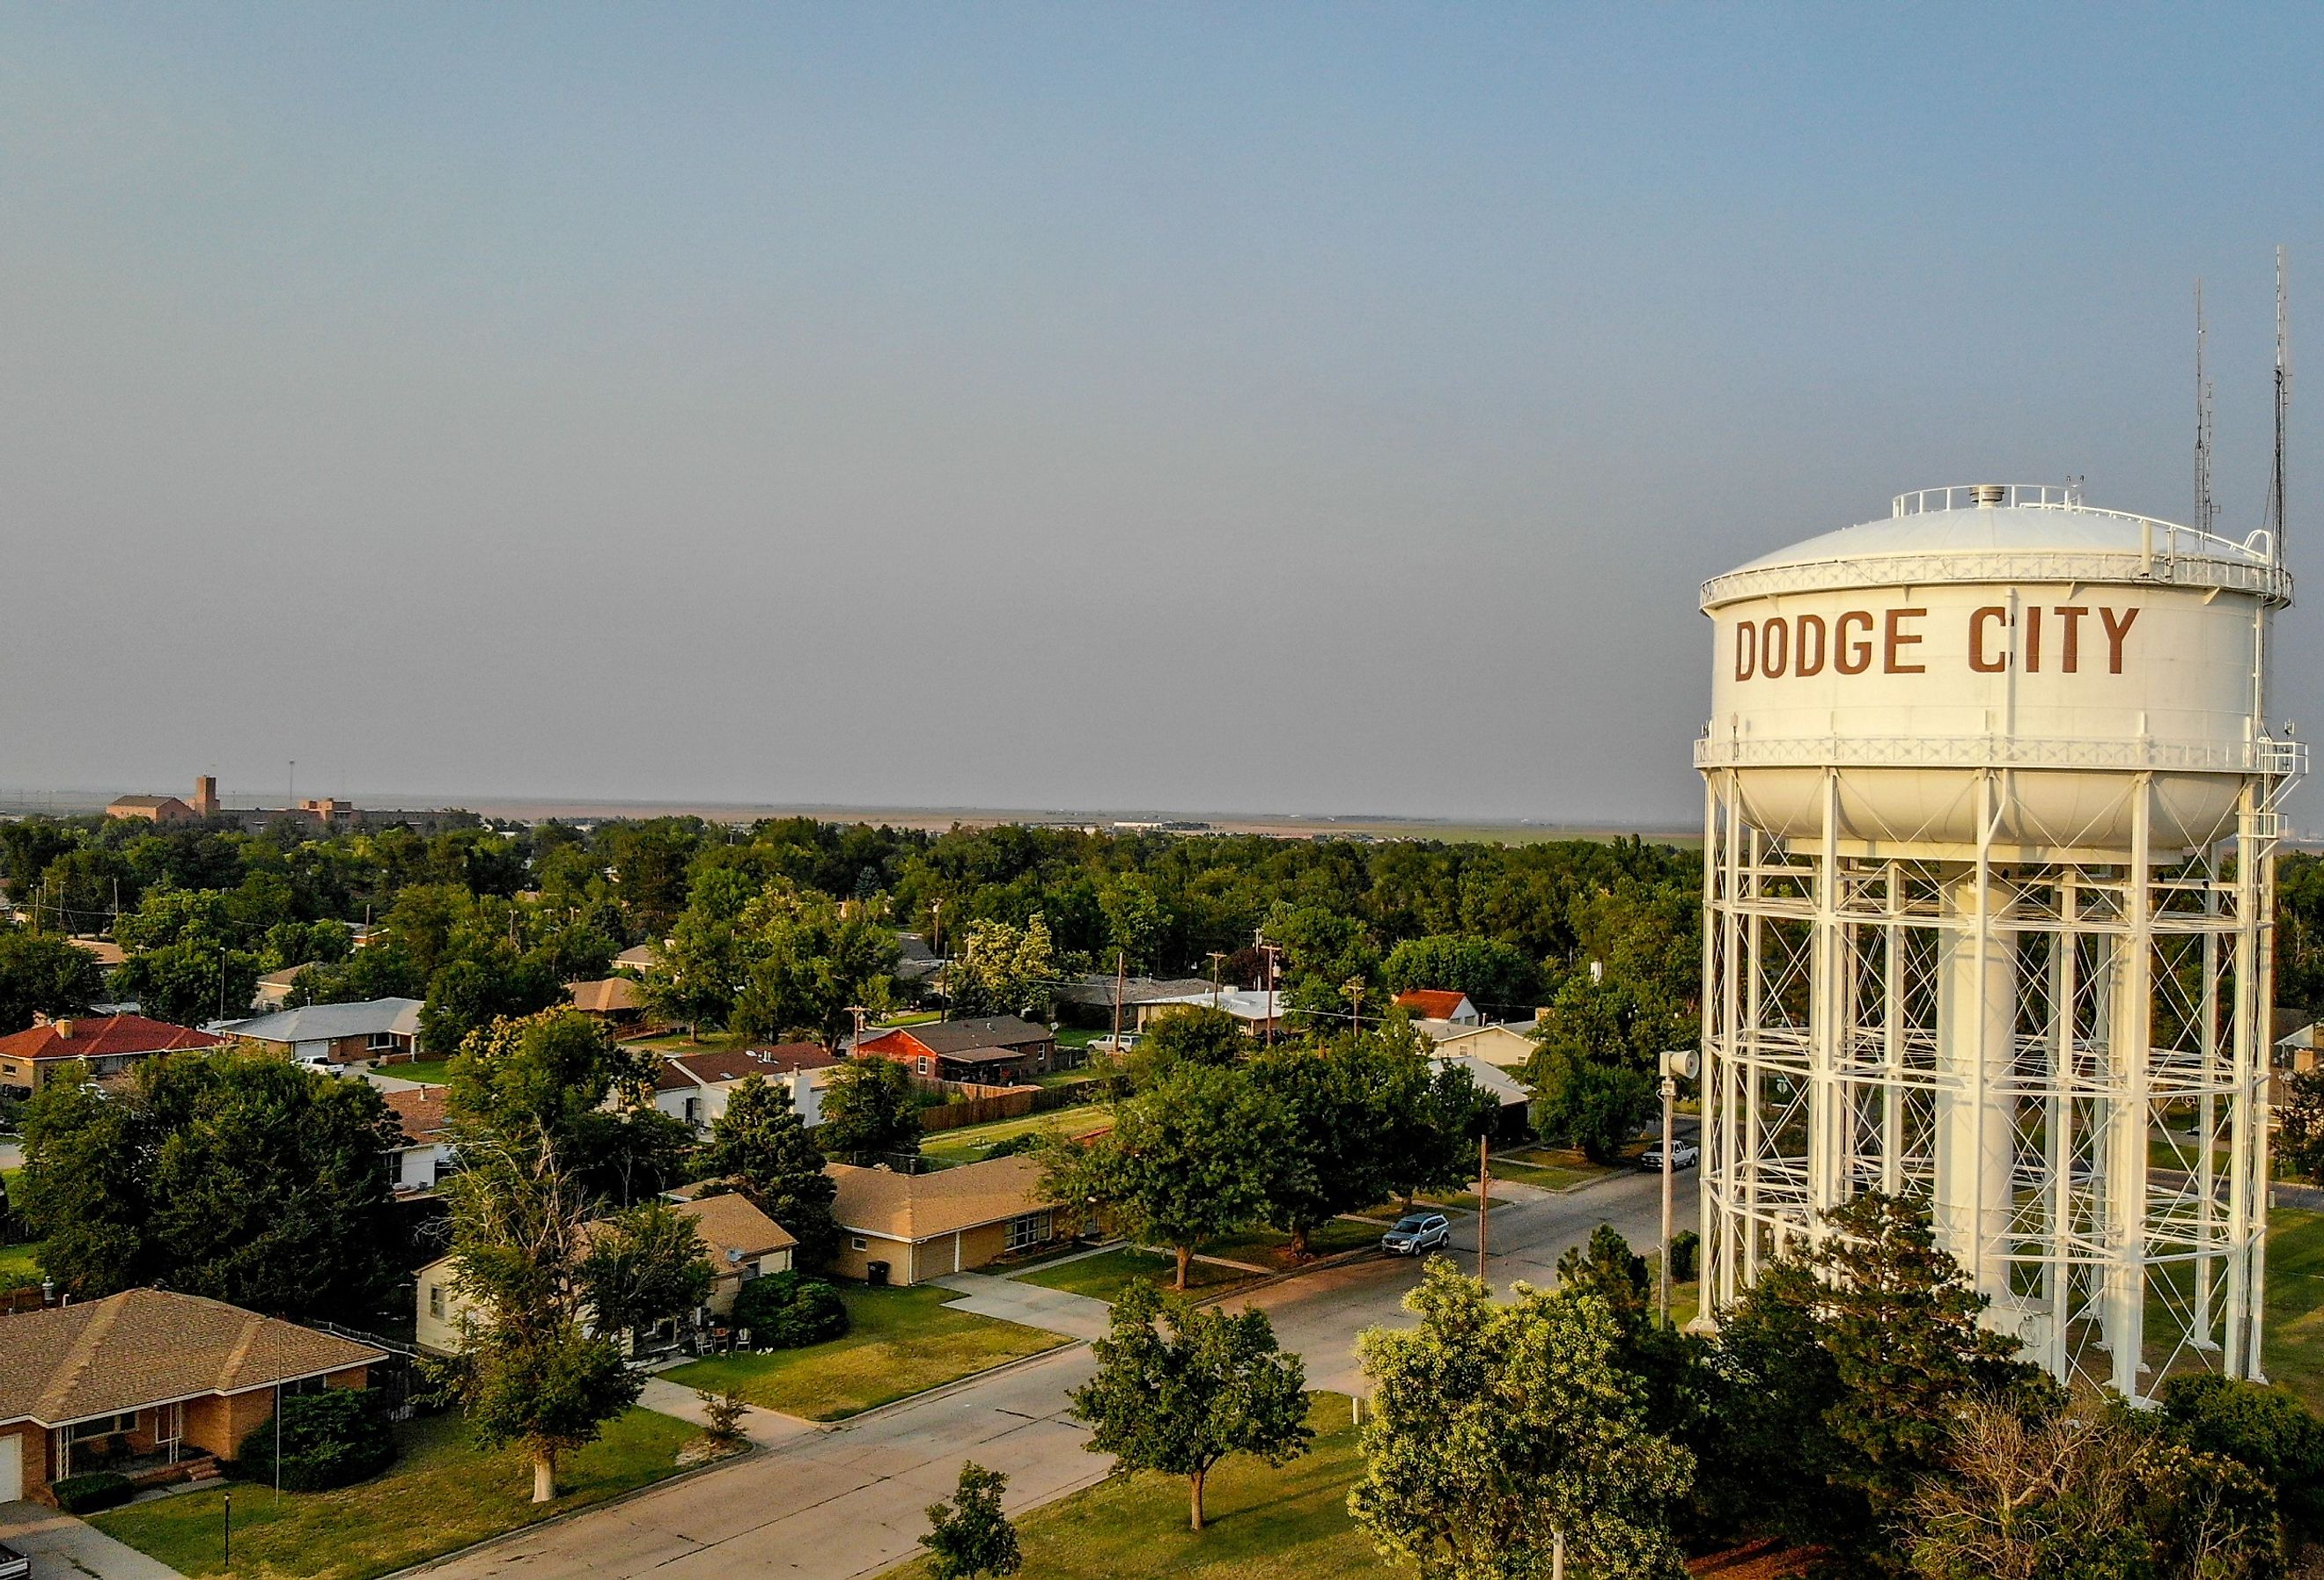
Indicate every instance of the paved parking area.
{"type": "Point", "coordinates": [1055, 1311]}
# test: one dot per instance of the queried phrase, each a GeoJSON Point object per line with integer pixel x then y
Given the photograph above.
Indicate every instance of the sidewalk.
{"type": "Point", "coordinates": [64, 1549]}
{"type": "Point", "coordinates": [762, 1426]}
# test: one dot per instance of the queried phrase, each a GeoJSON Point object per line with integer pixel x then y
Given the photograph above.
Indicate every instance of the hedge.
{"type": "Point", "coordinates": [784, 1311]}
{"type": "Point", "coordinates": [89, 1492]}
{"type": "Point", "coordinates": [328, 1440]}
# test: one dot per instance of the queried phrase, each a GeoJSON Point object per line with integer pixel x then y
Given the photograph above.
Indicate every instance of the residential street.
{"type": "Point", "coordinates": [848, 1502]}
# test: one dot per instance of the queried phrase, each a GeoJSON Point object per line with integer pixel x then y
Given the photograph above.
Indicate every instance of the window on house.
{"type": "Point", "coordinates": [1031, 1229]}
{"type": "Point", "coordinates": [382, 1042]}
{"type": "Point", "coordinates": [694, 1111]}
{"type": "Point", "coordinates": [857, 1242]}
{"type": "Point", "coordinates": [923, 1064]}
{"type": "Point", "coordinates": [436, 1300]}
{"type": "Point", "coordinates": [169, 1423]}
{"type": "Point", "coordinates": [105, 1427]}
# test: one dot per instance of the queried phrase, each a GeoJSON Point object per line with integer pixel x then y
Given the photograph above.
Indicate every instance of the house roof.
{"type": "Point", "coordinates": [955, 1039]}
{"type": "Point", "coordinates": [1096, 992]}
{"type": "Point", "coordinates": [422, 1112]}
{"type": "Point", "coordinates": [148, 1346]}
{"type": "Point", "coordinates": [1244, 1003]}
{"type": "Point", "coordinates": [733, 1229]}
{"type": "Point", "coordinates": [107, 951]}
{"type": "Point", "coordinates": [321, 1023]}
{"type": "Point", "coordinates": [282, 978]}
{"type": "Point", "coordinates": [1431, 1004]}
{"type": "Point", "coordinates": [150, 803]}
{"type": "Point", "coordinates": [642, 957]}
{"type": "Point", "coordinates": [611, 996]}
{"type": "Point", "coordinates": [921, 1206]}
{"type": "Point", "coordinates": [723, 1067]}
{"type": "Point", "coordinates": [1490, 1077]}
{"type": "Point", "coordinates": [104, 1037]}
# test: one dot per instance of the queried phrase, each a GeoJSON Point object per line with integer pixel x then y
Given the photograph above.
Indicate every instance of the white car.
{"type": "Point", "coordinates": [1416, 1232]}
{"type": "Point", "coordinates": [1684, 1155]}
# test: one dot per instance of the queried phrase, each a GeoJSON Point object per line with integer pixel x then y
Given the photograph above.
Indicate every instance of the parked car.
{"type": "Point", "coordinates": [1684, 1155]}
{"type": "Point", "coordinates": [1416, 1232]}
{"type": "Point", "coordinates": [13, 1565]}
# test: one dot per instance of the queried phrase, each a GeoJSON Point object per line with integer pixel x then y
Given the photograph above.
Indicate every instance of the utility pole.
{"type": "Point", "coordinates": [1217, 956]}
{"type": "Point", "coordinates": [859, 1012]}
{"type": "Point", "coordinates": [1119, 984]}
{"type": "Point", "coordinates": [1267, 953]}
{"type": "Point", "coordinates": [1484, 1203]}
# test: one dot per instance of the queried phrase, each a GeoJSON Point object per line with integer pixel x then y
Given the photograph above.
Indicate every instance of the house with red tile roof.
{"type": "Point", "coordinates": [107, 1044]}
{"type": "Point", "coordinates": [1431, 1004]}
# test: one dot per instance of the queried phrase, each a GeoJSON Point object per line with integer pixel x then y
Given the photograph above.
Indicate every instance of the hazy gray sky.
{"type": "Point", "coordinates": [1263, 408]}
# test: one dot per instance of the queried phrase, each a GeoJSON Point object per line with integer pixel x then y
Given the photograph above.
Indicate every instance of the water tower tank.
{"type": "Point", "coordinates": [1989, 833]}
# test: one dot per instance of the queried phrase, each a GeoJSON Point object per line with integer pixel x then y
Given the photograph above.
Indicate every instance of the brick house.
{"type": "Point", "coordinates": [920, 1226]}
{"type": "Point", "coordinates": [150, 1383]}
{"type": "Point", "coordinates": [999, 1050]}
{"type": "Point", "coordinates": [107, 1044]}
{"type": "Point", "coordinates": [373, 1031]}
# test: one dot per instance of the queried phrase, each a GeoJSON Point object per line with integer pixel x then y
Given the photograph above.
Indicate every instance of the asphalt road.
{"type": "Point", "coordinates": [833, 1505]}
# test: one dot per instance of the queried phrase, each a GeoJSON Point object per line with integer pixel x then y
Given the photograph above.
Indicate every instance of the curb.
{"type": "Point", "coordinates": [751, 1452]}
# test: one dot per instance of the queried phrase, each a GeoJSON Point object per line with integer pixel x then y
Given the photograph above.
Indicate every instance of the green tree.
{"type": "Point", "coordinates": [40, 975]}
{"type": "Point", "coordinates": [644, 1264]}
{"type": "Point", "coordinates": [1179, 1387]}
{"type": "Point", "coordinates": [811, 969]}
{"type": "Point", "coordinates": [2264, 1428]}
{"type": "Point", "coordinates": [1498, 1429]}
{"type": "Point", "coordinates": [1497, 977]}
{"type": "Point", "coordinates": [1337, 1104]}
{"type": "Point", "coordinates": [555, 1072]}
{"type": "Point", "coordinates": [1598, 1106]}
{"type": "Point", "coordinates": [1192, 1158]}
{"type": "Point", "coordinates": [196, 979]}
{"type": "Point", "coordinates": [869, 1111]}
{"type": "Point", "coordinates": [1136, 920]}
{"type": "Point", "coordinates": [1005, 970]}
{"type": "Point", "coordinates": [2299, 1139]}
{"type": "Point", "coordinates": [970, 1536]}
{"type": "Point", "coordinates": [1194, 1034]}
{"type": "Point", "coordinates": [761, 1144]}
{"type": "Point", "coordinates": [531, 1371]}
{"type": "Point", "coordinates": [225, 1173]}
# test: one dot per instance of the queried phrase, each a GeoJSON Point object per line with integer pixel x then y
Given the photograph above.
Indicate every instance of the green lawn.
{"type": "Point", "coordinates": [899, 1342]}
{"type": "Point", "coordinates": [2294, 1320]}
{"type": "Point", "coordinates": [1263, 1523]}
{"type": "Point", "coordinates": [17, 1267]}
{"type": "Point", "coordinates": [441, 1495]}
{"type": "Point", "coordinates": [1104, 1276]}
{"type": "Point", "coordinates": [1551, 1168]}
{"type": "Point", "coordinates": [434, 1072]}
{"type": "Point", "coordinates": [1269, 1248]}
{"type": "Point", "coordinates": [972, 1143]}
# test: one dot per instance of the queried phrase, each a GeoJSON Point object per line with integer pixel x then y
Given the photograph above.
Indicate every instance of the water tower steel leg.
{"type": "Point", "coordinates": [1827, 1187]}
{"type": "Point", "coordinates": [2125, 1313]}
{"type": "Point", "coordinates": [1747, 1048]}
{"type": "Point", "coordinates": [1892, 1033]}
{"type": "Point", "coordinates": [2057, 1127]}
{"type": "Point", "coordinates": [2207, 1120]}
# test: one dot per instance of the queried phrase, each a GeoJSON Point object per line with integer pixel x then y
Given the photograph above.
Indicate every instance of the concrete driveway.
{"type": "Point", "coordinates": [1031, 1305]}
{"type": "Point", "coordinates": [64, 1549]}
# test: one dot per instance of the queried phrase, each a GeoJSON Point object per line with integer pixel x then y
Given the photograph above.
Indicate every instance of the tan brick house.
{"type": "Point", "coordinates": [106, 1045]}
{"type": "Point", "coordinates": [921, 1226]}
{"type": "Point", "coordinates": [150, 1383]}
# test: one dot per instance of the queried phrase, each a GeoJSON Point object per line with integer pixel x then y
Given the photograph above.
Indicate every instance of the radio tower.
{"type": "Point", "coordinates": [2203, 507]}
{"type": "Point", "coordinates": [2282, 410]}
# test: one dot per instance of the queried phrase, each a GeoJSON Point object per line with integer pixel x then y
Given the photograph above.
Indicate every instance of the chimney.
{"type": "Point", "coordinates": [206, 801]}
{"type": "Point", "coordinates": [63, 1029]}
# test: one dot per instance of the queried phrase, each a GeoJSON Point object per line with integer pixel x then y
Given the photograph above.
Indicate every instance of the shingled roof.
{"type": "Point", "coordinates": [144, 1347]}
{"type": "Point", "coordinates": [102, 1037]}
{"type": "Point", "coordinates": [919, 1207]}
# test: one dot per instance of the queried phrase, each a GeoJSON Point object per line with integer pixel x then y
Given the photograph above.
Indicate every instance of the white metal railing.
{"type": "Point", "coordinates": [2013, 496]}
{"type": "Point", "coordinates": [2218, 564]}
{"type": "Point", "coordinates": [2275, 759]}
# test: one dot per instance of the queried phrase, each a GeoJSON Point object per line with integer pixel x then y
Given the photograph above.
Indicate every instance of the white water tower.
{"type": "Point", "coordinates": [1988, 853]}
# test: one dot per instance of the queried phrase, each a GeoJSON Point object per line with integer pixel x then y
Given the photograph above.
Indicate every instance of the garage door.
{"type": "Point", "coordinates": [12, 1467]}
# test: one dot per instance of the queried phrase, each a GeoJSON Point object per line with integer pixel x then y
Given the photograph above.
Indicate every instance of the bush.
{"type": "Point", "coordinates": [86, 1494]}
{"type": "Point", "coordinates": [1686, 1246]}
{"type": "Point", "coordinates": [328, 1440]}
{"type": "Point", "coordinates": [784, 1311]}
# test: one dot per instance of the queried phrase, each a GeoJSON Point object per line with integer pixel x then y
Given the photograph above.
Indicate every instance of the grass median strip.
{"type": "Point", "coordinates": [1263, 1523]}
{"type": "Point", "coordinates": [443, 1494]}
{"type": "Point", "coordinates": [899, 1342]}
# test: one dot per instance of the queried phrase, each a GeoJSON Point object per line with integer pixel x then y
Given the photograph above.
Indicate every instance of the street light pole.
{"type": "Point", "coordinates": [1484, 1203]}
{"type": "Point", "coordinates": [1676, 1062]}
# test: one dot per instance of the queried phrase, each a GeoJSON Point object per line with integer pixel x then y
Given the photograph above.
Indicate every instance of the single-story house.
{"type": "Point", "coordinates": [150, 1383]}
{"type": "Point", "coordinates": [107, 953]}
{"type": "Point", "coordinates": [908, 1228]}
{"type": "Point", "coordinates": [1490, 1079]}
{"type": "Point", "coordinates": [273, 989]}
{"type": "Point", "coordinates": [999, 1050]}
{"type": "Point", "coordinates": [421, 1112]}
{"type": "Point", "coordinates": [915, 963]}
{"type": "Point", "coordinates": [372, 1032]}
{"type": "Point", "coordinates": [1506, 1043]}
{"type": "Point", "coordinates": [617, 999]}
{"type": "Point", "coordinates": [694, 1086]}
{"type": "Point", "coordinates": [1430, 1005]}
{"type": "Point", "coordinates": [107, 1045]}
{"type": "Point", "coordinates": [1089, 1000]}
{"type": "Point", "coordinates": [1256, 1009]}
{"type": "Point", "coordinates": [739, 1242]}
{"type": "Point", "coordinates": [640, 959]}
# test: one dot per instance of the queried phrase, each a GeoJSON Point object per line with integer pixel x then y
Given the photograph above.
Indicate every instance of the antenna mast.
{"type": "Point", "coordinates": [2204, 510]}
{"type": "Point", "coordinates": [2283, 412]}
